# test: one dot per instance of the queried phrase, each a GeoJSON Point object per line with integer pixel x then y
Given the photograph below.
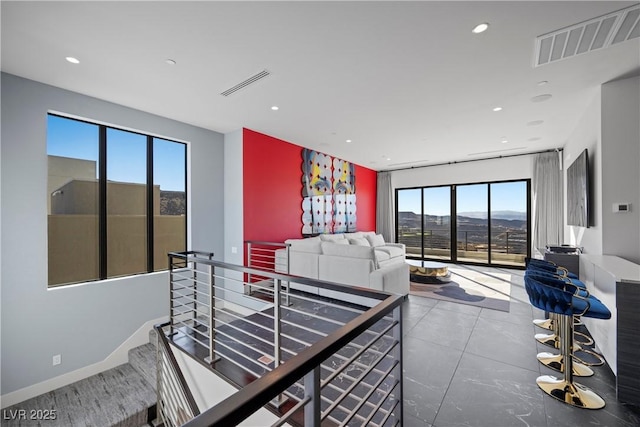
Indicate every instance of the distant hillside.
{"type": "Point", "coordinates": [412, 220]}
{"type": "Point", "coordinates": [173, 203]}
{"type": "Point", "coordinates": [522, 216]}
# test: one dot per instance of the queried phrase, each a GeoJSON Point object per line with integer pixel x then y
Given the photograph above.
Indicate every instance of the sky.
{"type": "Point", "coordinates": [126, 152]}
{"type": "Point", "coordinates": [505, 196]}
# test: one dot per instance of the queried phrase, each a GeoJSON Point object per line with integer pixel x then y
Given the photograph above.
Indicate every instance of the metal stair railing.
{"type": "Point", "coordinates": [317, 359]}
{"type": "Point", "coordinates": [176, 404]}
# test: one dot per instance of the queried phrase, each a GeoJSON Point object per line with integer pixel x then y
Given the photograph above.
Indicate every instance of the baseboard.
{"type": "Point", "coordinates": [118, 357]}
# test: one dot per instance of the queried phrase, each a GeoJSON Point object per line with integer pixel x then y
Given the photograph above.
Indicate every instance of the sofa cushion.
{"type": "Point", "coordinates": [360, 242]}
{"type": "Point", "coordinates": [393, 251]}
{"type": "Point", "coordinates": [331, 237]}
{"type": "Point", "coordinates": [347, 251]}
{"type": "Point", "coordinates": [375, 239]}
{"type": "Point", "coordinates": [381, 256]}
{"type": "Point", "coordinates": [356, 235]}
{"type": "Point", "coordinates": [340, 242]}
{"type": "Point", "coordinates": [309, 245]}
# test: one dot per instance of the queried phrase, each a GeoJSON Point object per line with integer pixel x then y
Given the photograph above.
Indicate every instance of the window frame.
{"type": "Point", "coordinates": [102, 181]}
{"type": "Point", "coordinates": [454, 221]}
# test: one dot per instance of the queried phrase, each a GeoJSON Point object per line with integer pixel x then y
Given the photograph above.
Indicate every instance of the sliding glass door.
{"type": "Point", "coordinates": [509, 222]}
{"type": "Point", "coordinates": [436, 208]}
{"type": "Point", "coordinates": [408, 214]}
{"type": "Point", "coordinates": [479, 223]}
{"type": "Point", "coordinates": [472, 223]}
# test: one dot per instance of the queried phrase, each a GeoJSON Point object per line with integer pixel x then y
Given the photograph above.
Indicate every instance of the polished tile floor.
{"type": "Point", "coordinates": [471, 366]}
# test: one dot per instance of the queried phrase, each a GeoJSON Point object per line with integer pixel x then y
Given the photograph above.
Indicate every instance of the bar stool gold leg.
{"type": "Point", "coordinates": [556, 362]}
{"type": "Point", "coordinates": [565, 389]}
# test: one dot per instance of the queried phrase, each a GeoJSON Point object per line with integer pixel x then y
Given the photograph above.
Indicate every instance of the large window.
{"type": "Point", "coordinates": [116, 201]}
{"type": "Point", "coordinates": [480, 223]}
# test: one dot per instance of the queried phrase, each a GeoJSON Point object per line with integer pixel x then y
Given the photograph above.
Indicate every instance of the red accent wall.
{"type": "Point", "coordinates": [366, 193]}
{"type": "Point", "coordinates": [273, 189]}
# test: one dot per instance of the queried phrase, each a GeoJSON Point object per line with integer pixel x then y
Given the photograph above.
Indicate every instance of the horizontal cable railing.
{"type": "Point", "coordinates": [343, 360]}
{"type": "Point", "coordinates": [176, 404]}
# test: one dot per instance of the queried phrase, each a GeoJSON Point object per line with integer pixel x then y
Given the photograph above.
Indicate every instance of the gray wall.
{"type": "Point", "coordinates": [83, 323]}
{"type": "Point", "coordinates": [621, 174]}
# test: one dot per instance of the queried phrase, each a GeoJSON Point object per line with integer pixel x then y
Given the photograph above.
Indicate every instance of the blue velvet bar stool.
{"type": "Point", "coordinates": [553, 340]}
{"type": "Point", "coordinates": [550, 266]}
{"type": "Point", "coordinates": [564, 303]}
{"type": "Point", "coordinates": [550, 278]}
{"type": "Point", "coordinates": [551, 360]}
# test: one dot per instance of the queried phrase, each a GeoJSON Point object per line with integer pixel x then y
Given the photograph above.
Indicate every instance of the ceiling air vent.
{"type": "Point", "coordinates": [584, 37]}
{"type": "Point", "coordinates": [251, 80]}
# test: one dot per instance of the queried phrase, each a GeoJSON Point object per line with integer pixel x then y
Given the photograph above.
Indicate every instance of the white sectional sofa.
{"type": "Point", "coordinates": [361, 259]}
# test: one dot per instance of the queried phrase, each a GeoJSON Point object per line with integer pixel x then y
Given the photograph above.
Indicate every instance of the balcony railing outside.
{"type": "Point", "coordinates": [343, 361]}
{"type": "Point", "coordinates": [506, 246]}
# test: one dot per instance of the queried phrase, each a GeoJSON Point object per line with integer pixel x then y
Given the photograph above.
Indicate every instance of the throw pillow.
{"type": "Point", "coordinates": [340, 241]}
{"type": "Point", "coordinates": [375, 240]}
{"type": "Point", "coordinates": [331, 237]}
{"type": "Point", "coordinates": [359, 242]}
{"type": "Point", "coordinates": [355, 235]}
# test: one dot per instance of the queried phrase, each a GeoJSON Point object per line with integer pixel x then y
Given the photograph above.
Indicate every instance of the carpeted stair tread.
{"type": "Point", "coordinates": [143, 359]}
{"type": "Point", "coordinates": [117, 397]}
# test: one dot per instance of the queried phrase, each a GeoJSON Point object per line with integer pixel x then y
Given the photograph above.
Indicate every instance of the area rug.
{"type": "Point", "coordinates": [487, 290]}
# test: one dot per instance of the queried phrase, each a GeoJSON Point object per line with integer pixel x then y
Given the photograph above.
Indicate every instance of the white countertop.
{"type": "Point", "coordinates": [620, 268]}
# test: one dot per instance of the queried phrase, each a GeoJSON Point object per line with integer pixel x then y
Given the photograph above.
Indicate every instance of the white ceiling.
{"type": "Point", "coordinates": [406, 81]}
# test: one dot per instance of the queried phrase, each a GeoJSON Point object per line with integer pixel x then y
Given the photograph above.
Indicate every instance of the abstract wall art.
{"type": "Point", "coordinates": [328, 194]}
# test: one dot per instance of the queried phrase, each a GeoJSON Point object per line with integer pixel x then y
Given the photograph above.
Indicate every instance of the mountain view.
{"type": "Point", "coordinates": [496, 215]}
{"type": "Point", "coordinates": [508, 231]}
{"type": "Point", "coordinates": [173, 203]}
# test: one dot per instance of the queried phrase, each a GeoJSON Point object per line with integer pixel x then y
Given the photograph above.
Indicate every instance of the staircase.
{"type": "Point", "coordinates": [124, 396]}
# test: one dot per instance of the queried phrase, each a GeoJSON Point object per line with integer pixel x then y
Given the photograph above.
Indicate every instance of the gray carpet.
{"type": "Point", "coordinates": [119, 397]}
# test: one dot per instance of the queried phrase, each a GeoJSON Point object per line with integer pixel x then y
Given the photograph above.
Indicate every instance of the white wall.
{"type": "Point", "coordinates": [586, 135]}
{"type": "Point", "coordinates": [508, 168]}
{"type": "Point", "coordinates": [234, 222]}
{"type": "Point", "coordinates": [83, 323]}
{"type": "Point", "coordinates": [621, 174]}
{"type": "Point", "coordinates": [609, 129]}
{"type": "Point", "coordinates": [233, 198]}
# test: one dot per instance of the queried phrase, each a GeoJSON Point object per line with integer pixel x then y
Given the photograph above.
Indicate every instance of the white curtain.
{"type": "Point", "coordinates": [385, 209]}
{"type": "Point", "coordinates": [547, 201]}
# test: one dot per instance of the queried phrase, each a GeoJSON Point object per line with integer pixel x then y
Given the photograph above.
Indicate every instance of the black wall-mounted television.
{"type": "Point", "coordinates": [578, 191]}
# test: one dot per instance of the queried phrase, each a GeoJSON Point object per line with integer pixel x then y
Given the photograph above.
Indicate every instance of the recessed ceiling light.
{"type": "Point", "coordinates": [541, 98]}
{"type": "Point", "coordinates": [170, 61]}
{"type": "Point", "coordinates": [535, 123]}
{"type": "Point", "coordinates": [388, 158]}
{"type": "Point", "coordinates": [497, 109]}
{"type": "Point", "coordinates": [504, 140]}
{"type": "Point", "coordinates": [542, 82]}
{"type": "Point", "coordinates": [348, 140]}
{"type": "Point", "coordinates": [275, 108]}
{"type": "Point", "coordinates": [72, 60]}
{"type": "Point", "coordinates": [480, 28]}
